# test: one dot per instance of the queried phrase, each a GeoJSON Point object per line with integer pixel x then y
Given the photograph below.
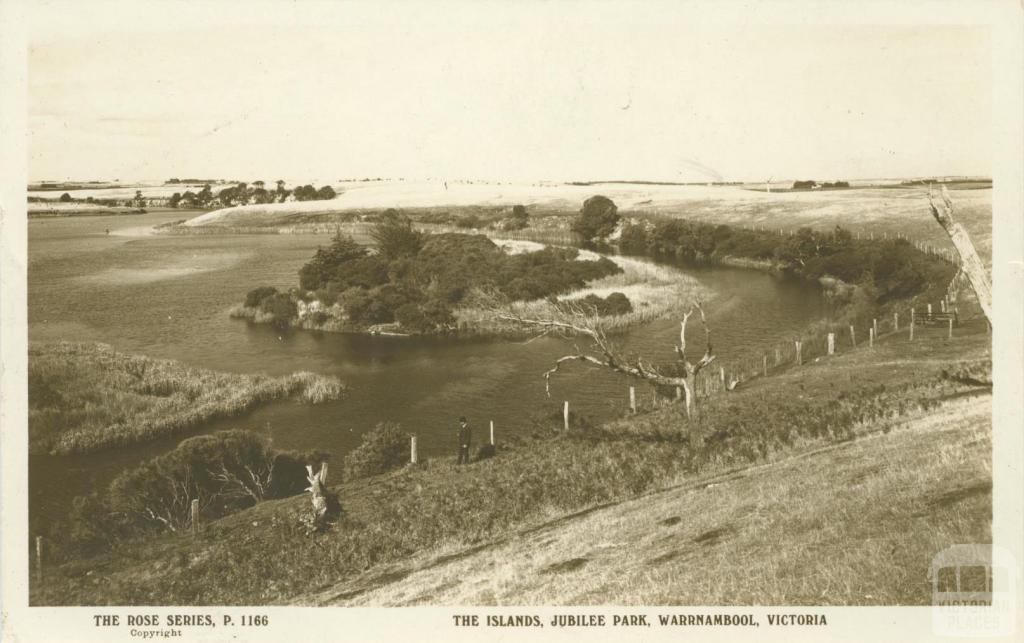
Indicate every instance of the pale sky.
{"type": "Point", "coordinates": [556, 91]}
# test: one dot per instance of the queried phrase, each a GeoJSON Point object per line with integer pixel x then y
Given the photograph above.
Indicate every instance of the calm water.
{"type": "Point", "coordinates": [169, 296]}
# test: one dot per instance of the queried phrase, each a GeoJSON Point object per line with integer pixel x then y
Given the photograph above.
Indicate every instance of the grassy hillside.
{"type": "Point", "coordinates": [907, 474]}
{"type": "Point", "coordinates": [852, 524]}
{"type": "Point", "coordinates": [84, 397]}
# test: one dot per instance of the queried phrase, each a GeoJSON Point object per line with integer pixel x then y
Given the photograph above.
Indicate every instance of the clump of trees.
{"type": "Point", "coordinates": [894, 268]}
{"type": "Point", "coordinates": [597, 219]}
{"type": "Point", "coordinates": [416, 280]}
{"type": "Point", "coordinates": [243, 193]}
{"type": "Point", "coordinates": [810, 185]}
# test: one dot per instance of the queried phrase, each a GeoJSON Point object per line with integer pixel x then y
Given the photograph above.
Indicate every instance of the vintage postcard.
{"type": "Point", "coordinates": [511, 321]}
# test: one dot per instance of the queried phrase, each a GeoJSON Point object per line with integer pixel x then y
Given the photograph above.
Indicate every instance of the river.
{"type": "Point", "coordinates": [168, 297]}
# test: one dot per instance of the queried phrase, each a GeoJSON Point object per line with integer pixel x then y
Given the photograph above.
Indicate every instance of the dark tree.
{"type": "Point", "coordinates": [597, 219]}
{"type": "Point", "coordinates": [395, 236]}
{"type": "Point", "coordinates": [325, 262]}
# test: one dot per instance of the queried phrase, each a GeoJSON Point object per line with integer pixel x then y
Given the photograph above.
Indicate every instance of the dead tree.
{"type": "Point", "coordinates": [572, 319]}
{"type": "Point", "coordinates": [325, 503]}
{"type": "Point", "coordinates": [970, 264]}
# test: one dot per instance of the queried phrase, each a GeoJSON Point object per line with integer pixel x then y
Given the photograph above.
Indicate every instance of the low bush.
{"type": "Point", "coordinates": [256, 296]}
{"type": "Point", "coordinates": [281, 308]}
{"type": "Point", "coordinates": [384, 447]}
{"type": "Point", "coordinates": [225, 472]}
{"type": "Point", "coordinates": [614, 304]}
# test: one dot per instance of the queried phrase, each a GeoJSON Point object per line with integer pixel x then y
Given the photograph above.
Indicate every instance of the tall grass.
{"type": "Point", "coordinates": [85, 397]}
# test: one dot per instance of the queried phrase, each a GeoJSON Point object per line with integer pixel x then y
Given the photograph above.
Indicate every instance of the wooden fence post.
{"type": "Point", "coordinates": [721, 374]}
{"type": "Point", "coordinates": [778, 356]}
{"type": "Point", "coordinates": [871, 338]}
{"type": "Point", "coordinates": [799, 359]}
{"type": "Point", "coordinates": [853, 336]}
{"type": "Point", "coordinates": [831, 343]}
{"type": "Point", "coordinates": [195, 516]}
{"type": "Point", "coordinates": [895, 321]}
{"type": "Point", "coordinates": [565, 414]}
{"type": "Point", "coordinates": [950, 328]}
{"type": "Point", "coordinates": [764, 365]}
{"type": "Point", "coordinates": [39, 559]}
{"type": "Point", "coordinates": [911, 329]}
{"type": "Point", "coordinates": [874, 326]}
{"type": "Point", "coordinates": [913, 315]}
{"type": "Point", "coordinates": [929, 312]}
{"type": "Point", "coordinates": [632, 399]}
{"type": "Point", "coordinates": [492, 433]}
{"type": "Point", "coordinates": [413, 456]}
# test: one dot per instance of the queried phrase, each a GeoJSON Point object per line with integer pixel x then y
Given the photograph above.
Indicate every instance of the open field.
{"type": "Point", "coordinates": [120, 191]}
{"type": "Point", "coordinates": [878, 210]}
{"type": "Point", "coordinates": [556, 503]}
{"type": "Point", "coordinates": [59, 209]}
{"type": "Point", "coordinates": [84, 397]}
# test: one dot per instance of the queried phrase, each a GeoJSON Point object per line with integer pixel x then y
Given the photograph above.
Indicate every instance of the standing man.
{"type": "Point", "coordinates": [465, 435]}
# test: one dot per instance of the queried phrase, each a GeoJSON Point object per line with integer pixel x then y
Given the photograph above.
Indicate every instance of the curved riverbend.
{"type": "Point", "coordinates": [167, 296]}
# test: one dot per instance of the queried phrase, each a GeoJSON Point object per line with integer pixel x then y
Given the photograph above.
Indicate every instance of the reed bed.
{"type": "Point", "coordinates": [87, 397]}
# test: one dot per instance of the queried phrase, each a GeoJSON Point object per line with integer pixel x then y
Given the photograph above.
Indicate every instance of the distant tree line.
{"type": "Point", "coordinates": [243, 193]}
{"type": "Point", "coordinates": [810, 185]}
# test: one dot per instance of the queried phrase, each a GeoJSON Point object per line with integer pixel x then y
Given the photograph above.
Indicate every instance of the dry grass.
{"type": "Point", "coordinates": [855, 524]}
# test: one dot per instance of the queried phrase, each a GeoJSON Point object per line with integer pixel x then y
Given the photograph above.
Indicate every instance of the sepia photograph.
{"type": "Point", "coordinates": [571, 316]}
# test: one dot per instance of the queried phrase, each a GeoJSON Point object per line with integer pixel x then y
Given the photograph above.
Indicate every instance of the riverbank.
{"type": "Point", "coordinates": [423, 517]}
{"type": "Point", "coordinates": [87, 397]}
